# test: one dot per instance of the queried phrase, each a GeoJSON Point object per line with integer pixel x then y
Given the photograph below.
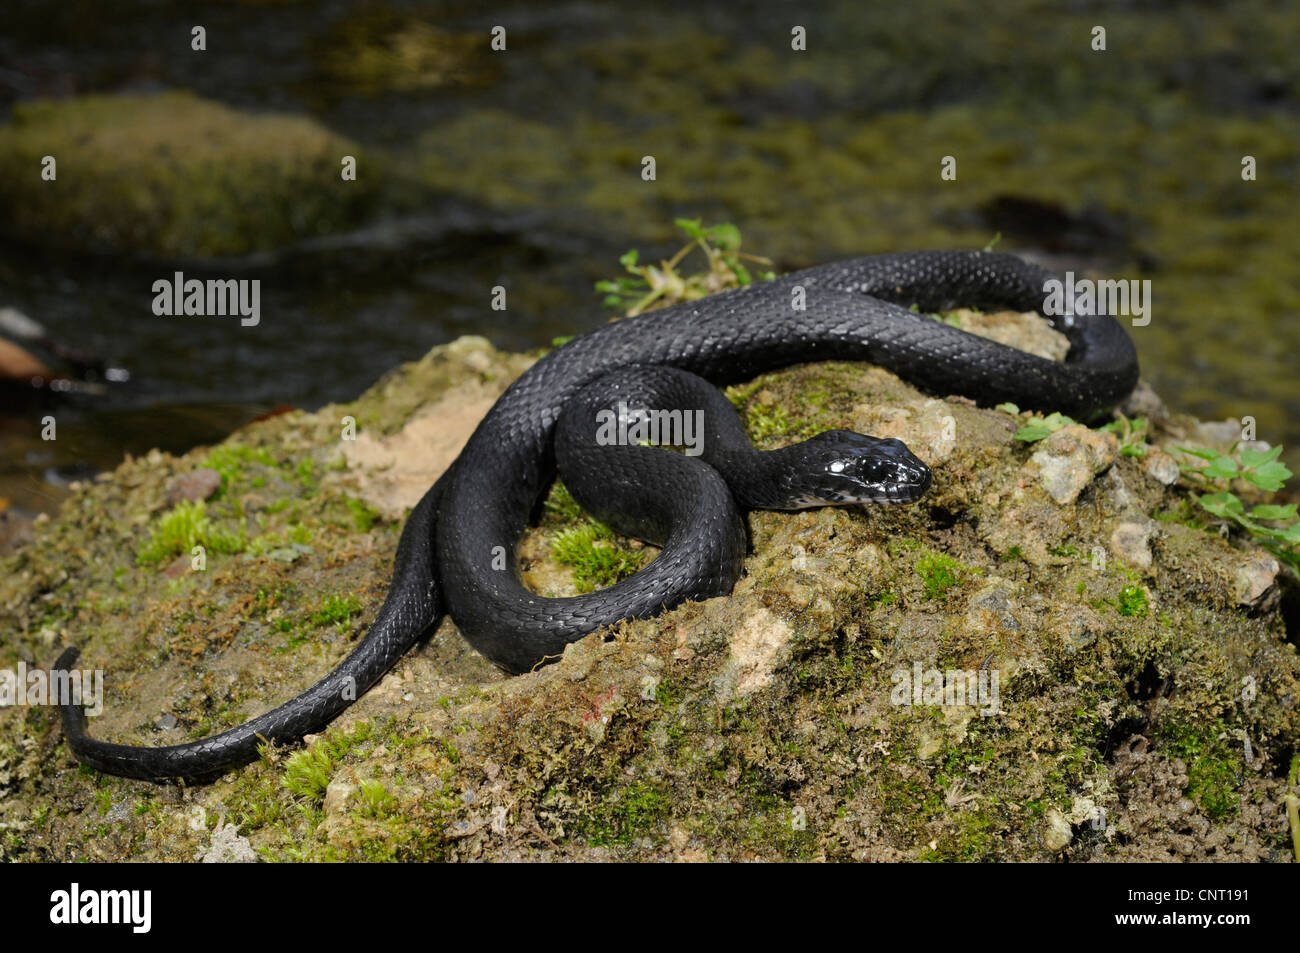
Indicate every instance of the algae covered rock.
{"type": "Point", "coordinates": [174, 175]}
{"type": "Point", "coordinates": [991, 673]}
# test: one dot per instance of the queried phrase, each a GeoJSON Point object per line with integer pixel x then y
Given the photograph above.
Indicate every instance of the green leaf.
{"type": "Point", "coordinates": [1039, 427]}
{"type": "Point", "coordinates": [1221, 468]}
{"type": "Point", "coordinates": [1032, 432]}
{"type": "Point", "coordinates": [1268, 511]}
{"type": "Point", "coordinates": [1136, 450]}
{"type": "Point", "coordinates": [1203, 454]}
{"type": "Point", "coordinates": [1270, 476]}
{"type": "Point", "coordinates": [1222, 504]}
{"type": "Point", "coordinates": [1125, 427]}
{"type": "Point", "coordinates": [1253, 459]}
{"type": "Point", "coordinates": [629, 259]}
{"type": "Point", "coordinates": [1008, 408]}
{"type": "Point", "coordinates": [725, 236]}
{"type": "Point", "coordinates": [691, 226]}
{"type": "Point", "coordinates": [1292, 533]}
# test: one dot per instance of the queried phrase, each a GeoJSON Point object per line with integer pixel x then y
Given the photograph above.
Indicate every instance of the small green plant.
{"type": "Point", "coordinates": [1132, 435]}
{"type": "Point", "coordinates": [560, 504]}
{"type": "Point", "coordinates": [624, 815]}
{"type": "Point", "coordinates": [182, 528]}
{"type": "Point", "coordinates": [1275, 526]}
{"type": "Point", "coordinates": [376, 801]}
{"type": "Point", "coordinates": [647, 286]}
{"type": "Point", "coordinates": [1212, 766]}
{"type": "Point", "coordinates": [940, 573]}
{"type": "Point", "coordinates": [593, 553]}
{"type": "Point", "coordinates": [230, 461]}
{"type": "Point", "coordinates": [363, 515]}
{"type": "Point", "coordinates": [1133, 601]}
{"type": "Point", "coordinates": [1037, 428]}
{"type": "Point", "coordinates": [335, 610]}
{"type": "Point", "coordinates": [309, 772]}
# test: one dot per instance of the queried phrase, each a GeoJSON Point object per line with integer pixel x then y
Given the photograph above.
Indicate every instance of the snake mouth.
{"type": "Point", "coordinates": [907, 484]}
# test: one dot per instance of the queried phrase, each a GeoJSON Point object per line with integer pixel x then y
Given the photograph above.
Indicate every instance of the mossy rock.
{"type": "Point", "coordinates": [175, 175]}
{"type": "Point", "coordinates": [762, 725]}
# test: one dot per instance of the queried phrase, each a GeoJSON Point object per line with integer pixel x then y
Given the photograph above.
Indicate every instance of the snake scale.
{"type": "Point", "coordinates": [450, 556]}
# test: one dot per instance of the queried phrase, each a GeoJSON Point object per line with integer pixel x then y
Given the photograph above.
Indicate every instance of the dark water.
{"type": "Point", "coordinates": [330, 326]}
{"type": "Point", "coordinates": [335, 317]}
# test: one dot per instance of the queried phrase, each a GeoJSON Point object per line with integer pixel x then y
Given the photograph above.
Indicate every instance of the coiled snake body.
{"type": "Point", "coordinates": [456, 551]}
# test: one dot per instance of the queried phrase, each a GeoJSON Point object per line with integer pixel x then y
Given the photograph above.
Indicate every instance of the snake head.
{"type": "Point", "coordinates": [846, 467]}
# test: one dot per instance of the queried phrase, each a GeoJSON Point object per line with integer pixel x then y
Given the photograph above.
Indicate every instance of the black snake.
{"type": "Point", "coordinates": [456, 553]}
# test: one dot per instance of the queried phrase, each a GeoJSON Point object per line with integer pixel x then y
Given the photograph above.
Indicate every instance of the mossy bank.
{"type": "Point", "coordinates": [1146, 681]}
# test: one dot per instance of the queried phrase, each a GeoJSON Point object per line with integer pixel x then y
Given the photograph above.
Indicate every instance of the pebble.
{"type": "Point", "coordinates": [1162, 467]}
{"type": "Point", "coordinates": [1070, 458]}
{"type": "Point", "coordinates": [1058, 834]}
{"type": "Point", "coordinates": [336, 795]}
{"type": "Point", "coordinates": [1129, 543]}
{"type": "Point", "coordinates": [193, 486]}
{"type": "Point", "coordinates": [1254, 577]}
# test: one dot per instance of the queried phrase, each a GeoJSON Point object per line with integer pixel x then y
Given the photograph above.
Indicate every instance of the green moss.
{"type": "Point", "coordinates": [376, 801]}
{"type": "Point", "coordinates": [363, 515]}
{"type": "Point", "coordinates": [765, 423]}
{"type": "Point", "coordinates": [596, 557]}
{"type": "Point", "coordinates": [309, 772]}
{"type": "Point", "coordinates": [1213, 767]}
{"type": "Point", "coordinates": [625, 814]}
{"type": "Point", "coordinates": [231, 461]}
{"type": "Point", "coordinates": [941, 573]}
{"type": "Point", "coordinates": [335, 610]}
{"type": "Point", "coordinates": [560, 506]}
{"type": "Point", "coordinates": [1133, 601]}
{"type": "Point", "coordinates": [972, 840]}
{"type": "Point", "coordinates": [182, 528]}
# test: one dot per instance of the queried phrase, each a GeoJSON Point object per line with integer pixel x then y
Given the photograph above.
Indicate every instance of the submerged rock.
{"type": "Point", "coordinates": [174, 175]}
